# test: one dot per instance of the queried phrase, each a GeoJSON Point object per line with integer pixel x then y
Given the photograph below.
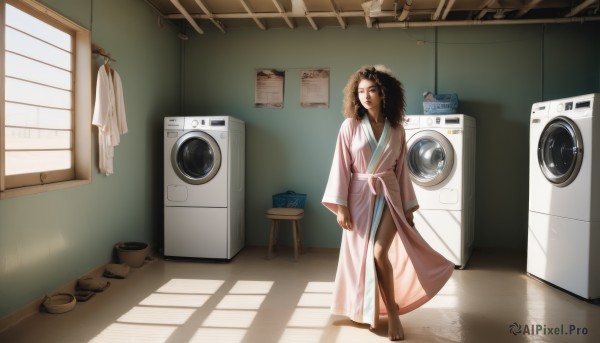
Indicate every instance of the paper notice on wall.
{"type": "Point", "coordinates": [314, 88]}
{"type": "Point", "coordinates": [269, 88]}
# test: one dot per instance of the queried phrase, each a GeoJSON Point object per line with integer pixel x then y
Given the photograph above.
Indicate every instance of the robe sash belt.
{"type": "Point", "coordinates": [376, 181]}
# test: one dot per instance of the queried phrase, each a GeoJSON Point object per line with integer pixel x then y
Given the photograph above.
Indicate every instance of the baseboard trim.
{"type": "Point", "coordinates": [28, 310]}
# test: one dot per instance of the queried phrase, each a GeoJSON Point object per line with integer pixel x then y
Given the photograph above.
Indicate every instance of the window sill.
{"type": "Point", "coordinates": [17, 192]}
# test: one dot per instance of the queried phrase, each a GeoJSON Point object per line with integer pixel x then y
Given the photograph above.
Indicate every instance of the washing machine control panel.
{"type": "Point", "coordinates": [174, 123]}
{"type": "Point", "coordinates": [574, 107]}
{"type": "Point", "coordinates": [205, 122]}
{"type": "Point", "coordinates": [443, 121]}
{"type": "Point", "coordinates": [568, 106]}
{"type": "Point", "coordinates": [430, 120]}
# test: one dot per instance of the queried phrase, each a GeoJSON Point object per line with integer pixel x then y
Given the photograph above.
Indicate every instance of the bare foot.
{"type": "Point", "coordinates": [395, 330]}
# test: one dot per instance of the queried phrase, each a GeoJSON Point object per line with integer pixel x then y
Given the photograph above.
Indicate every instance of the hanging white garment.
{"type": "Point", "coordinates": [109, 116]}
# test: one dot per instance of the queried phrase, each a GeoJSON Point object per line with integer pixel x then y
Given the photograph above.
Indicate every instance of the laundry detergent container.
{"type": "Point", "coordinates": [440, 103]}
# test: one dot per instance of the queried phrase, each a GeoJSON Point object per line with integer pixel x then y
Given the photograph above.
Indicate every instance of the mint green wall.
{"type": "Point", "coordinates": [571, 52]}
{"type": "Point", "coordinates": [49, 239]}
{"type": "Point", "coordinates": [498, 73]}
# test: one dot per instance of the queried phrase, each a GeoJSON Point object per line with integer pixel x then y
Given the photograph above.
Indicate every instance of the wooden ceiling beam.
{"type": "Point", "coordinates": [283, 14]}
{"type": "Point", "coordinates": [187, 16]}
{"type": "Point", "coordinates": [580, 8]}
{"type": "Point", "coordinates": [485, 9]}
{"type": "Point", "coordinates": [448, 9]}
{"type": "Point", "coordinates": [211, 16]}
{"type": "Point", "coordinates": [338, 15]}
{"type": "Point", "coordinates": [438, 11]}
{"type": "Point", "coordinates": [528, 6]}
{"type": "Point", "coordinates": [253, 15]}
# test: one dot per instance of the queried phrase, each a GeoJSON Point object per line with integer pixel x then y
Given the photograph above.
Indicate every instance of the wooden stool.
{"type": "Point", "coordinates": [278, 214]}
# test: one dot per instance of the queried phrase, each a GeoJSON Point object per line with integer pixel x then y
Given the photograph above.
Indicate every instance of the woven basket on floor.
{"type": "Point", "coordinates": [132, 254]}
{"type": "Point", "coordinates": [59, 303]}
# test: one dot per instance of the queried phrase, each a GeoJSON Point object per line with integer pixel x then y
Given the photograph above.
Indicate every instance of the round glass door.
{"type": "Point", "coordinates": [560, 151]}
{"type": "Point", "coordinates": [196, 157]}
{"type": "Point", "coordinates": [430, 158]}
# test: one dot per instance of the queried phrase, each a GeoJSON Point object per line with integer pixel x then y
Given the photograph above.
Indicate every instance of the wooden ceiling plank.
{"type": "Point", "coordinates": [337, 14]}
{"type": "Point", "coordinates": [367, 8]}
{"type": "Point", "coordinates": [307, 14]}
{"type": "Point", "coordinates": [438, 10]}
{"type": "Point", "coordinates": [283, 14]}
{"type": "Point", "coordinates": [346, 12]}
{"type": "Point", "coordinates": [485, 8]}
{"type": "Point", "coordinates": [253, 15]}
{"type": "Point", "coordinates": [580, 8]}
{"type": "Point", "coordinates": [405, 10]}
{"type": "Point", "coordinates": [187, 16]}
{"type": "Point", "coordinates": [448, 9]}
{"type": "Point", "coordinates": [528, 6]}
{"type": "Point", "coordinates": [211, 16]}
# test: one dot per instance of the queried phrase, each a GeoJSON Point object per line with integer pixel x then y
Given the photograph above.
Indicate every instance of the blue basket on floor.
{"type": "Point", "coordinates": [289, 199]}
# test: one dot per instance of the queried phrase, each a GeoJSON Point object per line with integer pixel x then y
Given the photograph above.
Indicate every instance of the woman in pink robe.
{"type": "Point", "coordinates": [384, 267]}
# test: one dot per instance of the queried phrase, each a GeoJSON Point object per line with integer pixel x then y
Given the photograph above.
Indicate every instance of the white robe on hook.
{"type": "Point", "coordinates": [109, 116]}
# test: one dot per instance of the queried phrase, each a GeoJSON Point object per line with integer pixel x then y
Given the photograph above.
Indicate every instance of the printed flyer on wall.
{"type": "Point", "coordinates": [314, 88]}
{"type": "Point", "coordinates": [269, 88]}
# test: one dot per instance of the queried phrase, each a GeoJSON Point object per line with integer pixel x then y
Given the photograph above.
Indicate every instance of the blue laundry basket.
{"type": "Point", "coordinates": [289, 199]}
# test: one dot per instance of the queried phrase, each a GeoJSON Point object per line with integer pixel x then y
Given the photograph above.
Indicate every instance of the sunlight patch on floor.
{"type": "Point", "coordinates": [241, 302]}
{"type": "Point", "coordinates": [126, 333]}
{"type": "Point", "coordinates": [234, 314]}
{"type": "Point", "coordinates": [311, 315]}
{"type": "Point", "coordinates": [175, 300]}
{"type": "Point", "coordinates": [229, 319]}
{"type": "Point", "coordinates": [191, 286]}
{"type": "Point", "coordinates": [156, 315]}
{"type": "Point", "coordinates": [171, 304]}
{"type": "Point", "coordinates": [251, 287]}
{"type": "Point", "coordinates": [217, 335]}
{"type": "Point", "coordinates": [315, 300]}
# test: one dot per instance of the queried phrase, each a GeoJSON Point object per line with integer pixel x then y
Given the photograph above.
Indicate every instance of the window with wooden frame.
{"type": "Point", "coordinates": [45, 115]}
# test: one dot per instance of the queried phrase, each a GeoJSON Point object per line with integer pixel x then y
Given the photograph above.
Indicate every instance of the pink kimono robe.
{"type": "Point", "coordinates": [365, 175]}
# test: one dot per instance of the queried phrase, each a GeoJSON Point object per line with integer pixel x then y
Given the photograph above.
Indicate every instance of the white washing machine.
{"type": "Point", "coordinates": [204, 187]}
{"type": "Point", "coordinates": [563, 246]}
{"type": "Point", "coordinates": [441, 162]}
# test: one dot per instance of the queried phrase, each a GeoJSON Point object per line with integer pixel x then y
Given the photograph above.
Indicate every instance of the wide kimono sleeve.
{"type": "Point", "coordinates": [120, 105]}
{"type": "Point", "coordinates": [103, 100]}
{"type": "Point", "coordinates": [338, 184]}
{"type": "Point", "coordinates": [407, 191]}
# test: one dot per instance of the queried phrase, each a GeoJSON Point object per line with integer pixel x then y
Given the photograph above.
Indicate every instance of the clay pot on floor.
{"type": "Point", "coordinates": [132, 254]}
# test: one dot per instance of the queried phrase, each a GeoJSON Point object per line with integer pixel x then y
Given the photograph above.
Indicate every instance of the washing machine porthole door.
{"type": "Point", "coordinates": [430, 158]}
{"type": "Point", "coordinates": [196, 157]}
{"type": "Point", "coordinates": [560, 151]}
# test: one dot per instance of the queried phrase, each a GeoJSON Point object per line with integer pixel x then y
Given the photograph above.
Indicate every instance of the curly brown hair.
{"type": "Point", "coordinates": [393, 104]}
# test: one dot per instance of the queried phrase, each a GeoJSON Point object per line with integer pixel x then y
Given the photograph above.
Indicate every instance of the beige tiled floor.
{"type": "Point", "coordinates": [252, 299]}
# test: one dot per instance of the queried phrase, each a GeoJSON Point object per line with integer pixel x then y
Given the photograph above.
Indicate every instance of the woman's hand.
{"type": "Point", "coordinates": [343, 217]}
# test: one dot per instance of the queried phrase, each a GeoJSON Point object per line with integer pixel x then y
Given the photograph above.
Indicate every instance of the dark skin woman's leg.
{"type": "Point", "coordinates": [383, 240]}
